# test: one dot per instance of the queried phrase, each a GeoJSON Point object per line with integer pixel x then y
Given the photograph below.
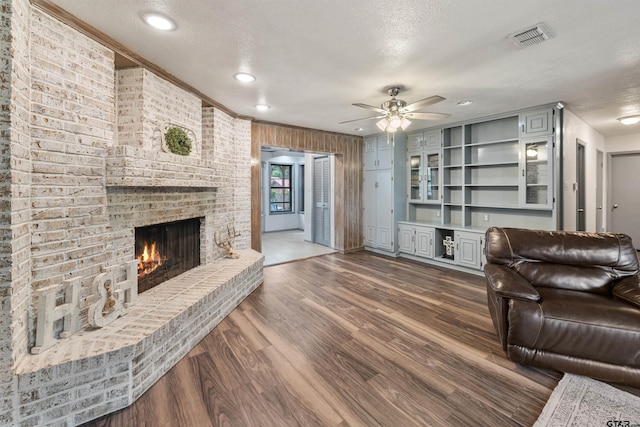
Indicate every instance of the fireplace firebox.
{"type": "Point", "coordinates": [166, 250]}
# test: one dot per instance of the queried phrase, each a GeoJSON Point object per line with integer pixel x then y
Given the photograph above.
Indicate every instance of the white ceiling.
{"type": "Point", "coordinates": [314, 58]}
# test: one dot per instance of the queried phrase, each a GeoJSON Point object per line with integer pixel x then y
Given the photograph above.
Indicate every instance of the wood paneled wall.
{"type": "Point", "coordinates": [347, 179]}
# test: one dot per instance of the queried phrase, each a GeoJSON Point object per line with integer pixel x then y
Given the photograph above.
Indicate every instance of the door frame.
{"type": "Point", "coordinates": [609, 173]}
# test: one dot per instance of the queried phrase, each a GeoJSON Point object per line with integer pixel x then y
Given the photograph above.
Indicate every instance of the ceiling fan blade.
{"type": "Point", "coordinates": [371, 107]}
{"type": "Point", "coordinates": [427, 116]}
{"type": "Point", "coordinates": [422, 103]}
{"type": "Point", "coordinates": [364, 118]}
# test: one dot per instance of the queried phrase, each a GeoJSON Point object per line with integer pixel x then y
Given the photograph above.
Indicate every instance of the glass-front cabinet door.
{"type": "Point", "coordinates": [424, 170]}
{"type": "Point", "coordinates": [416, 165]}
{"type": "Point", "coordinates": [432, 183]}
{"type": "Point", "coordinates": [536, 179]}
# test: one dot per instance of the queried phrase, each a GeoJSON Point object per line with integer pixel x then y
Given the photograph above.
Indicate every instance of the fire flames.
{"type": "Point", "coordinates": [150, 259]}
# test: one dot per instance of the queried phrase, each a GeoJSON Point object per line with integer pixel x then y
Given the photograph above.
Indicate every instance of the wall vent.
{"type": "Point", "coordinates": [532, 35]}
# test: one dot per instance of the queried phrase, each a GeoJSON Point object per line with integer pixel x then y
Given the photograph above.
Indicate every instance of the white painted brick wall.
{"type": "Point", "coordinates": [146, 102]}
{"type": "Point", "coordinates": [15, 166]}
{"type": "Point", "coordinates": [71, 211]}
{"type": "Point", "coordinates": [72, 124]}
{"type": "Point", "coordinates": [232, 145]}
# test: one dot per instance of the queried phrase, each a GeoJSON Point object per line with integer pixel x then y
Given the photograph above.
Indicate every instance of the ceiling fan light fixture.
{"type": "Point", "coordinates": [630, 120]}
{"type": "Point", "coordinates": [382, 124]}
{"type": "Point", "coordinates": [394, 114]}
{"type": "Point", "coordinates": [395, 121]}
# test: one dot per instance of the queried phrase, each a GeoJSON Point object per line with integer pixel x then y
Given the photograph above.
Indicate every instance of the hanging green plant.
{"type": "Point", "coordinates": [177, 140]}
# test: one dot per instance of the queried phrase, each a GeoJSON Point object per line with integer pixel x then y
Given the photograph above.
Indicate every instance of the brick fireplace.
{"type": "Point", "coordinates": [84, 169]}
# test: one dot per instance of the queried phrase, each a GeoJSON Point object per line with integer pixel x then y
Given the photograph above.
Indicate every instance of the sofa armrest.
{"type": "Point", "coordinates": [628, 289]}
{"type": "Point", "coordinates": [507, 283]}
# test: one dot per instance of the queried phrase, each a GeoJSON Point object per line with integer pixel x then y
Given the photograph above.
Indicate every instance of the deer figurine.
{"type": "Point", "coordinates": [225, 244]}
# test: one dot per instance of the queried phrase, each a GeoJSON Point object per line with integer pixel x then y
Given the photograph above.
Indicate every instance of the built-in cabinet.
{"type": "Point", "coordinates": [384, 188]}
{"type": "Point", "coordinates": [467, 177]}
{"type": "Point", "coordinates": [443, 244]}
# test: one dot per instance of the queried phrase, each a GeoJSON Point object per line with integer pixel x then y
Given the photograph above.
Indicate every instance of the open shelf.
{"type": "Point", "coordinates": [490, 131]}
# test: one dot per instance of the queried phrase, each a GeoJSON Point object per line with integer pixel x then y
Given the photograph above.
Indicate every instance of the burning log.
{"type": "Point", "coordinates": [225, 245]}
{"type": "Point", "coordinates": [150, 259]}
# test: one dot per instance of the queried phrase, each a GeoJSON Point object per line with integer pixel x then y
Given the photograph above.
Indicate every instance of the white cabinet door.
{"type": "Point", "coordinates": [406, 235]}
{"type": "Point", "coordinates": [536, 123]}
{"type": "Point", "coordinates": [370, 157]}
{"type": "Point", "coordinates": [384, 220]}
{"type": "Point", "coordinates": [385, 153]}
{"type": "Point", "coordinates": [467, 249]}
{"type": "Point", "coordinates": [424, 242]}
{"type": "Point", "coordinates": [415, 141]}
{"type": "Point", "coordinates": [370, 208]}
{"type": "Point", "coordinates": [432, 140]}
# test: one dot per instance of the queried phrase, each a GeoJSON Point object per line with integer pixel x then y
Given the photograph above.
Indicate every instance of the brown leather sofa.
{"type": "Point", "coordinates": [567, 301]}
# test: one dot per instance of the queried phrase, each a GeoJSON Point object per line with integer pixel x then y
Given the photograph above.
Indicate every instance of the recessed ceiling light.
{"type": "Point", "coordinates": [359, 129]}
{"type": "Point", "coordinates": [244, 77]}
{"type": "Point", "coordinates": [159, 21]}
{"type": "Point", "coordinates": [262, 107]}
{"type": "Point", "coordinates": [465, 102]}
{"type": "Point", "coordinates": [630, 120]}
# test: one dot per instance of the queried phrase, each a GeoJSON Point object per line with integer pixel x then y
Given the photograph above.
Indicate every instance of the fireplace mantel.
{"type": "Point", "coordinates": [128, 166]}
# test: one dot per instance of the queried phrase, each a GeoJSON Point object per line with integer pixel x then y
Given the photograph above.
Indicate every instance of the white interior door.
{"type": "Point", "coordinates": [370, 207]}
{"type": "Point", "coordinates": [599, 191]}
{"type": "Point", "coordinates": [624, 203]}
{"type": "Point", "coordinates": [321, 194]}
{"type": "Point", "coordinates": [384, 214]}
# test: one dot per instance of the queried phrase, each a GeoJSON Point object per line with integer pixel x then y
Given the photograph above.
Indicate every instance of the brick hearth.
{"type": "Point", "coordinates": [99, 371]}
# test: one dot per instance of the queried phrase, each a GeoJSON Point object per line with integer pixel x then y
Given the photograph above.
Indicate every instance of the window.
{"type": "Point", "coordinates": [280, 188]}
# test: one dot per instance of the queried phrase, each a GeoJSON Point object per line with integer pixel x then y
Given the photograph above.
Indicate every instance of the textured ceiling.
{"type": "Point", "coordinates": [314, 58]}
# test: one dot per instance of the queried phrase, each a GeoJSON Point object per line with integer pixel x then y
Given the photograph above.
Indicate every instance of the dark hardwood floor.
{"type": "Point", "coordinates": [354, 340]}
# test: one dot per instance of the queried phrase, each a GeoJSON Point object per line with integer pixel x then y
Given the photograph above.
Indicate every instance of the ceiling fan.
{"type": "Point", "coordinates": [395, 113]}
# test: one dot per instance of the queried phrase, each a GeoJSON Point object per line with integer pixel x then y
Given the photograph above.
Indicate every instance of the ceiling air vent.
{"type": "Point", "coordinates": [532, 35]}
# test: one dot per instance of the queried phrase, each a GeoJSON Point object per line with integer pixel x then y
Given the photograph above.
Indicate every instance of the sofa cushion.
{"type": "Point", "coordinates": [579, 324]}
{"type": "Point", "coordinates": [588, 262]}
{"type": "Point", "coordinates": [572, 277]}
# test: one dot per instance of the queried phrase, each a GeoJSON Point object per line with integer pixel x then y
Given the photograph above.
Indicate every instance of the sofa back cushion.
{"type": "Point", "coordinates": [588, 262]}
